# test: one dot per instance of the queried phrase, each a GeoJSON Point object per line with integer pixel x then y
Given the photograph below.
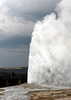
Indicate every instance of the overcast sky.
{"type": "Point", "coordinates": [17, 19]}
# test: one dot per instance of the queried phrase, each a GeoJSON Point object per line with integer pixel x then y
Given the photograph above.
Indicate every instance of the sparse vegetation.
{"type": "Point", "coordinates": [12, 68]}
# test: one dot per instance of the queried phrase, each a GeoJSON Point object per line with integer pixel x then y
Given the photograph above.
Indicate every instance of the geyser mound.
{"type": "Point", "coordinates": [50, 48]}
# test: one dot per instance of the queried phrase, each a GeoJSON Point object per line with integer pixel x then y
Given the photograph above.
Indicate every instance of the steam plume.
{"type": "Point", "coordinates": [50, 48]}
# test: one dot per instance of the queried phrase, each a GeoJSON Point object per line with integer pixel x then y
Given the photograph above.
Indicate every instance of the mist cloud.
{"type": "Point", "coordinates": [17, 18]}
{"type": "Point", "coordinates": [50, 50]}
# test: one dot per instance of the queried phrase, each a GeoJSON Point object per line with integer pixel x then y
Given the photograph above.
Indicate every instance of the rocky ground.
{"type": "Point", "coordinates": [34, 92]}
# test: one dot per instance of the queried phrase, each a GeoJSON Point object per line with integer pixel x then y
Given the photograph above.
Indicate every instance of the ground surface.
{"type": "Point", "coordinates": [34, 92]}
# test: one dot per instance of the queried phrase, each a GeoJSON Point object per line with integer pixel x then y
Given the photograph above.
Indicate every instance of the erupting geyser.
{"type": "Point", "coordinates": [50, 48]}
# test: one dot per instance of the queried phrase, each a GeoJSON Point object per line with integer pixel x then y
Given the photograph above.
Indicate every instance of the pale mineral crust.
{"type": "Point", "coordinates": [34, 92]}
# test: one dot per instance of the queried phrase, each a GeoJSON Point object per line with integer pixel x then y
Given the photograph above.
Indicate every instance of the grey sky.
{"type": "Point", "coordinates": [17, 19]}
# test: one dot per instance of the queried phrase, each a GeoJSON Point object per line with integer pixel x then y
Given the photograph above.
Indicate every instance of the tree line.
{"type": "Point", "coordinates": [12, 78]}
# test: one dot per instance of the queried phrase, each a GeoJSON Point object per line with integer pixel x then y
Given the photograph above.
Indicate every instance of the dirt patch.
{"type": "Point", "coordinates": [32, 86]}
{"type": "Point", "coordinates": [2, 90]}
{"type": "Point", "coordinates": [64, 94]}
{"type": "Point", "coordinates": [1, 94]}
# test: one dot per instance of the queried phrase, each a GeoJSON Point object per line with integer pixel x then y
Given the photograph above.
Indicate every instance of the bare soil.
{"type": "Point", "coordinates": [64, 94]}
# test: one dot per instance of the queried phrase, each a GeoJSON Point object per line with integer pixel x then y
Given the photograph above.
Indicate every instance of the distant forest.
{"type": "Point", "coordinates": [13, 76]}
